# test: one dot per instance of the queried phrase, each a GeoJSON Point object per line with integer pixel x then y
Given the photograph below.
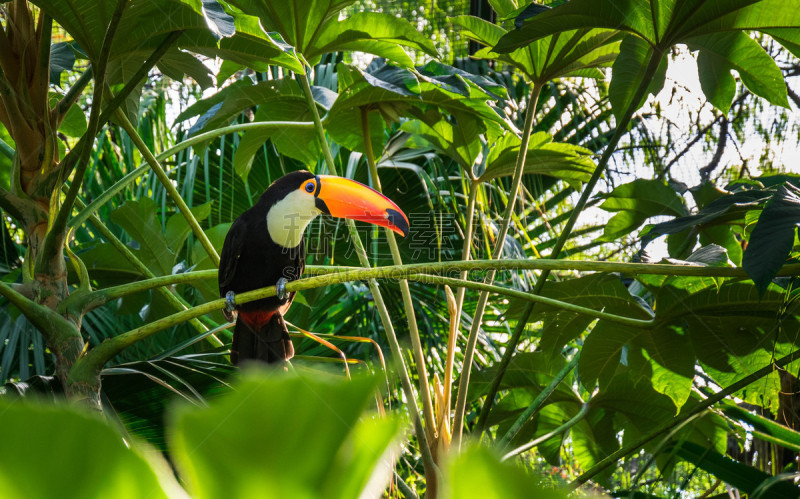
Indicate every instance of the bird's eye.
{"type": "Point", "coordinates": [310, 187]}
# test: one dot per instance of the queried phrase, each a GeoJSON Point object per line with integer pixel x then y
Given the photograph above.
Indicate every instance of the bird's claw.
{"type": "Point", "coordinates": [280, 289]}
{"type": "Point", "coordinates": [230, 301]}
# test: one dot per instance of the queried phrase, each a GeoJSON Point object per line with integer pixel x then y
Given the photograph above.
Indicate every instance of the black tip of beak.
{"type": "Point", "coordinates": [321, 206]}
{"type": "Point", "coordinates": [397, 219]}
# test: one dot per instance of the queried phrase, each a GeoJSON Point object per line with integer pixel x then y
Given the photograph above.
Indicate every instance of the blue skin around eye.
{"type": "Point", "coordinates": [309, 187]}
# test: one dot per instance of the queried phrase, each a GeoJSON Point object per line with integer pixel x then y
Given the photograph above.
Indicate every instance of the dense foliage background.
{"type": "Point", "coordinates": [603, 197]}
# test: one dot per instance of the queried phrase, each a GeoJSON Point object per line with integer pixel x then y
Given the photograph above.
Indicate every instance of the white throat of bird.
{"type": "Point", "coordinates": [288, 218]}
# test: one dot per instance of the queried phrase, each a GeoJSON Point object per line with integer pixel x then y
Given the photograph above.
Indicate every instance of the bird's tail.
{"type": "Point", "coordinates": [269, 343]}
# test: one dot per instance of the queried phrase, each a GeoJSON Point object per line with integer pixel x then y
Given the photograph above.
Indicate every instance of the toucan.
{"type": "Point", "coordinates": [265, 247]}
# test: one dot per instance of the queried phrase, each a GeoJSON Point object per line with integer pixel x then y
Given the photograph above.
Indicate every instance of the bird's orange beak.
{"type": "Point", "coordinates": [345, 198]}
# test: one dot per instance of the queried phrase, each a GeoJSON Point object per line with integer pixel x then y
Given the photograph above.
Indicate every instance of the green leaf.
{"type": "Point", "coordinates": [74, 122]}
{"type": "Point", "coordinates": [724, 210]}
{"type": "Point", "coordinates": [299, 144]}
{"type": "Point", "coordinates": [32, 434]}
{"type": "Point", "coordinates": [773, 236]}
{"type": "Point", "coordinates": [476, 472]}
{"type": "Point", "coordinates": [672, 360]}
{"type": "Point", "coordinates": [140, 393]}
{"type": "Point", "coordinates": [572, 53]}
{"type": "Point", "coordinates": [62, 58]}
{"type": "Point", "coordinates": [221, 108]}
{"type": "Point", "coordinates": [220, 22]}
{"type": "Point", "coordinates": [629, 15]}
{"type": "Point", "coordinates": [372, 32]}
{"type": "Point", "coordinates": [637, 201]}
{"type": "Point", "coordinates": [314, 28]}
{"type": "Point", "coordinates": [560, 160]}
{"type": "Point", "coordinates": [716, 80]}
{"type": "Point", "coordinates": [659, 24]}
{"type": "Point", "coordinates": [746, 15]}
{"type": "Point", "coordinates": [593, 439]}
{"type": "Point", "coordinates": [252, 47]}
{"type": "Point", "coordinates": [255, 440]}
{"type": "Point", "coordinates": [178, 229]}
{"type": "Point", "coordinates": [596, 291]}
{"type": "Point", "coordinates": [461, 142]}
{"type": "Point", "coordinates": [788, 37]}
{"type": "Point", "coordinates": [736, 50]}
{"type": "Point", "coordinates": [532, 371]}
{"type": "Point", "coordinates": [140, 221]}
{"type": "Point", "coordinates": [602, 352]}
{"type": "Point", "coordinates": [387, 89]}
{"type": "Point", "coordinates": [176, 63]}
{"type": "Point", "coordinates": [209, 288]}
{"type": "Point", "coordinates": [628, 72]}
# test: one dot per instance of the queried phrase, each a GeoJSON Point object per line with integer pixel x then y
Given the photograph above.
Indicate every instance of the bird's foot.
{"type": "Point", "coordinates": [230, 301]}
{"type": "Point", "coordinates": [280, 289]}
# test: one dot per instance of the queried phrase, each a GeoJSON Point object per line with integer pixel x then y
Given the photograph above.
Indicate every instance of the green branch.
{"type": "Point", "coordinates": [621, 129]}
{"type": "Point", "coordinates": [94, 299]}
{"type": "Point", "coordinates": [406, 271]}
{"type": "Point", "coordinates": [408, 304]}
{"type": "Point", "coordinates": [171, 190]}
{"type": "Point", "coordinates": [115, 345]}
{"type": "Point", "coordinates": [53, 327]}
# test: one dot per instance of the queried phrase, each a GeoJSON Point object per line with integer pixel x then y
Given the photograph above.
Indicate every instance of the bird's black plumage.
{"type": "Point", "coordinates": [250, 260]}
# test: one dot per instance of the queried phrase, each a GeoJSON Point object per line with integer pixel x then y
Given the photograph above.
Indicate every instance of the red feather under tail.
{"type": "Point", "coordinates": [261, 336]}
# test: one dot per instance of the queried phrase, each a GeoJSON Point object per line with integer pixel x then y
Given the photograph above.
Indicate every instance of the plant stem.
{"type": "Point", "coordinates": [95, 299]}
{"type": "Point", "coordinates": [408, 304]}
{"type": "Point", "coordinates": [477, 319]}
{"type": "Point", "coordinates": [466, 247]}
{"type": "Point", "coordinates": [700, 407]}
{"type": "Point", "coordinates": [621, 129]}
{"type": "Point", "coordinates": [171, 190]}
{"type": "Point", "coordinates": [561, 429]}
{"type": "Point", "coordinates": [538, 401]}
{"type": "Point", "coordinates": [6, 150]}
{"type": "Point", "coordinates": [75, 91]}
{"type": "Point", "coordinates": [380, 305]}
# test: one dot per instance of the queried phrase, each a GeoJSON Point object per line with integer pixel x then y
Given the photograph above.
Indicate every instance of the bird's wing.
{"type": "Point", "coordinates": [231, 252]}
